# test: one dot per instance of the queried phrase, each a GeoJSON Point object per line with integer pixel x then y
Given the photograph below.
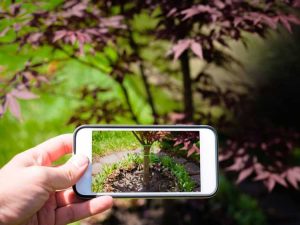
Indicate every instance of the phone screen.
{"type": "Point", "coordinates": [145, 161]}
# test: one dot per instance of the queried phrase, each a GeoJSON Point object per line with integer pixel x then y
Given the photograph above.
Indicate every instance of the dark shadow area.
{"type": "Point", "coordinates": [278, 85]}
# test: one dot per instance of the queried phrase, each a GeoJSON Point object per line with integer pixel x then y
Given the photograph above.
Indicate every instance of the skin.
{"type": "Point", "coordinates": [32, 191]}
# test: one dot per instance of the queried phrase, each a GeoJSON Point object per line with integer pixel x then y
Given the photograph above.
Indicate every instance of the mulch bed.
{"type": "Point", "coordinates": [131, 180]}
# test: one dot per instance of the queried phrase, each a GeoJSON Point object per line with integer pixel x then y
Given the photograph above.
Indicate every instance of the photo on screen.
{"type": "Point", "coordinates": [145, 161]}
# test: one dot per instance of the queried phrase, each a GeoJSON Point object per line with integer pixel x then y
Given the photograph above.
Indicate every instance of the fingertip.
{"type": "Point", "coordinates": [106, 200]}
{"type": "Point", "coordinates": [67, 139]}
{"type": "Point", "coordinates": [109, 200]}
{"type": "Point", "coordinates": [80, 161]}
{"type": "Point", "coordinates": [100, 204]}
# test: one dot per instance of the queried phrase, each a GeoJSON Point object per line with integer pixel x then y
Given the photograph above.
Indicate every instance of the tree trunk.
{"type": "Point", "coordinates": [187, 87]}
{"type": "Point", "coordinates": [146, 167]}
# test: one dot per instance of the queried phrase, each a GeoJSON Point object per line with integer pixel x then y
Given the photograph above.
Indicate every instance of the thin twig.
{"type": "Point", "coordinates": [137, 137]}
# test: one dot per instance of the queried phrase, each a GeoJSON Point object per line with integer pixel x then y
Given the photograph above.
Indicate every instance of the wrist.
{"type": "Point", "coordinates": [6, 215]}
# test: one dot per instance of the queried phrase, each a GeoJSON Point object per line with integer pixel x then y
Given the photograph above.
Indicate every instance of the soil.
{"type": "Point", "coordinates": [131, 180]}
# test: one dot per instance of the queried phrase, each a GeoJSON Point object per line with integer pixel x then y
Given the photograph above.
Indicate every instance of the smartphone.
{"type": "Point", "coordinates": [159, 161]}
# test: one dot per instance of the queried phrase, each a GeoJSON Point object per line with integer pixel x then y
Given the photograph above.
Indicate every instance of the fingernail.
{"type": "Point", "coordinates": [80, 160]}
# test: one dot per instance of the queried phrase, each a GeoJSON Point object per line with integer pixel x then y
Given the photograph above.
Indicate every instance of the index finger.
{"type": "Point", "coordinates": [43, 154]}
{"type": "Point", "coordinates": [52, 149]}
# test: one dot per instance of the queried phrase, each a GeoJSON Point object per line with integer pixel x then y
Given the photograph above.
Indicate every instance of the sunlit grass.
{"type": "Point", "coordinates": [106, 142]}
{"type": "Point", "coordinates": [99, 180]}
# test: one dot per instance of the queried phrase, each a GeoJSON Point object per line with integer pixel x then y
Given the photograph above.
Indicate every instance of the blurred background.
{"type": "Point", "coordinates": [234, 65]}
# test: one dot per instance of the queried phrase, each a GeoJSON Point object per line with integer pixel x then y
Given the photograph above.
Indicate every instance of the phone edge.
{"type": "Point", "coordinates": [151, 126]}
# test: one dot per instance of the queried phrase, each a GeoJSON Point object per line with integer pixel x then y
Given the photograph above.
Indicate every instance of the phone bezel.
{"type": "Point", "coordinates": [152, 194]}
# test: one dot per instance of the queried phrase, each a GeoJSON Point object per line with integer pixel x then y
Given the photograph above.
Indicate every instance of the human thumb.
{"type": "Point", "coordinates": [68, 174]}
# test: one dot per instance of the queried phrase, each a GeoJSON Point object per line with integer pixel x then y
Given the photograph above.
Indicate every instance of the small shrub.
{"type": "Point", "coordinates": [183, 179]}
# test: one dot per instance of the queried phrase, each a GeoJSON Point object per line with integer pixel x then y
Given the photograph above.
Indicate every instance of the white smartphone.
{"type": "Point", "coordinates": [159, 161]}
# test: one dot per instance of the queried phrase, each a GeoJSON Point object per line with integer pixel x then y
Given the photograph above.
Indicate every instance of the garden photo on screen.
{"type": "Point", "coordinates": [146, 161]}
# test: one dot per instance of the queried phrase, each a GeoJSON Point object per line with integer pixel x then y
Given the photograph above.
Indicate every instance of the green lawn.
{"type": "Point", "coordinates": [106, 142]}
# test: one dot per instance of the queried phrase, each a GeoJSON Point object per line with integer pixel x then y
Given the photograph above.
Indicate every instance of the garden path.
{"type": "Point", "coordinates": [110, 159]}
{"type": "Point", "coordinates": [192, 168]}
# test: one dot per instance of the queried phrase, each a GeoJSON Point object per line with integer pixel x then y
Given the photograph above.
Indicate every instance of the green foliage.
{"type": "Point", "coordinates": [46, 116]}
{"type": "Point", "coordinates": [106, 142]}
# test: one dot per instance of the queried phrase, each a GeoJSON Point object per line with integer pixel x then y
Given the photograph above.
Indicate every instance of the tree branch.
{"type": "Point", "coordinates": [72, 56]}
{"type": "Point", "coordinates": [136, 51]}
{"type": "Point", "coordinates": [134, 117]}
{"type": "Point", "coordinates": [137, 137]}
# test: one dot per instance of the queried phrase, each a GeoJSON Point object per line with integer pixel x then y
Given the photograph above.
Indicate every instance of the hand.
{"type": "Point", "coordinates": [33, 192]}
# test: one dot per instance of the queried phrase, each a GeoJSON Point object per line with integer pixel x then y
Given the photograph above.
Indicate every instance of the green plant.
{"type": "Point", "coordinates": [99, 180]}
{"type": "Point", "coordinates": [243, 208]}
{"type": "Point", "coordinates": [182, 177]}
{"type": "Point", "coordinates": [168, 146]}
{"type": "Point", "coordinates": [187, 141]}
